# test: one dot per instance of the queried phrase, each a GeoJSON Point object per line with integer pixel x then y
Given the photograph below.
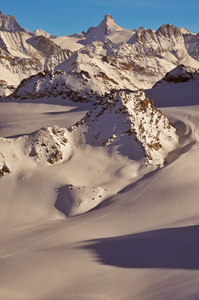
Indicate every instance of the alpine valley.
{"type": "Point", "coordinates": [99, 163]}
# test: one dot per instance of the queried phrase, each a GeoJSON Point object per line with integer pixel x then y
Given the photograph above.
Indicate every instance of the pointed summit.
{"type": "Point", "coordinates": [106, 27]}
{"type": "Point", "coordinates": [108, 16]}
{"type": "Point", "coordinates": [9, 23]}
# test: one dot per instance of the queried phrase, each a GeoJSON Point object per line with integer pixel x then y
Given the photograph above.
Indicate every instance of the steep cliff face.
{"type": "Point", "coordinates": [192, 44]}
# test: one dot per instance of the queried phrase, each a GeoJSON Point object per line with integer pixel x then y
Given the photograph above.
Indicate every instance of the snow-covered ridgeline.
{"type": "Point", "coordinates": [127, 58]}
{"type": "Point", "coordinates": [132, 118]}
{"type": "Point", "coordinates": [121, 119]}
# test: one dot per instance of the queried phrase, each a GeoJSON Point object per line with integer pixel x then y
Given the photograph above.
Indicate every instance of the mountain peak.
{"type": "Point", "coordinates": [9, 23]}
{"type": "Point", "coordinates": [180, 74]}
{"type": "Point", "coordinates": [169, 30]}
{"type": "Point", "coordinates": [39, 32]}
{"type": "Point", "coordinates": [108, 17]}
{"type": "Point", "coordinates": [107, 26]}
{"type": "Point", "coordinates": [128, 118]}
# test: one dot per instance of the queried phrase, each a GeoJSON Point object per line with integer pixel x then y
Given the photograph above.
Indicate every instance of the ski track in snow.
{"type": "Point", "coordinates": [52, 236]}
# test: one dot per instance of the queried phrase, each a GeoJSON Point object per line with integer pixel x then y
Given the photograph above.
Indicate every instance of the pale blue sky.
{"type": "Point", "coordinates": [63, 17]}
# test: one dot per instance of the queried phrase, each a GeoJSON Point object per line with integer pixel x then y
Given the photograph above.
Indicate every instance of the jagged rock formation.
{"type": "Point", "coordinates": [128, 119]}
{"type": "Point", "coordinates": [48, 145]}
{"type": "Point", "coordinates": [178, 75]}
{"type": "Point", "coordinates": [55, 83]}
{"type": "Point", "coordinates": [4, 170]}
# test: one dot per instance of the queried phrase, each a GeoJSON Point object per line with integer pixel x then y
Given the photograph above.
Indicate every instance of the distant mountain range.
{"type": "Point", "coordinates": [104, 58]}
{"type": "Point", "coordinates": [108, 66]}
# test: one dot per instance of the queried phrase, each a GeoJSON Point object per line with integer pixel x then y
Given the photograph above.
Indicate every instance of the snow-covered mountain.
{"type": "Point", "coordinates": [129, 59]}
{"type": "Point", "coordinates": [76, 87]}
{"type": "Point", "coordinates": [40, 32]}
{"type": "Point", "coordinates": [86, 80]}
{"type": "Point", "coordinates": [168, 42]}
{"type": "Point", "coordinates": [106, 30]}
{"type": "Point", "coordinates": [47, 145]}
{"type": "Point", "coordinates": [178, 75]}
{"type": "Point", "coordinates": [118, 120]}
{"type": "Point", "coordinates": [23, 53]}
{"type": "Point", "coordinates": [99, 200]}
{"type": "Point", "coordinates": [9, 23]}
{"type": "Point", "coordinates": [124, 121]}
{"type": "Point", "coordinates": [125, 118]}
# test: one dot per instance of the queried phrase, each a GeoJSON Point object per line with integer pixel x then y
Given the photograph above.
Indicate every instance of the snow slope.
{"type": "Point", "coordinates": [40, 32]}
{"type": "Point", "coordinates": [140, 243]}
{"type": "Point", "coordinates": [99, 200]}
{"type": "Point", "coordinates": [175, 94]}
{"type": "Point", "coordinates": [123, 126]}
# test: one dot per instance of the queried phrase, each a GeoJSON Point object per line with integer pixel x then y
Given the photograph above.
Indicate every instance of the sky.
{"type": "Point", "coordinates": [66, 17]}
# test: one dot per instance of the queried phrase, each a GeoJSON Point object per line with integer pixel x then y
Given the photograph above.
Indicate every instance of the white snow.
{"type": "Point", "coordinates": [39, 32]}
{"type": "Point", "coordinates": [82, 220]}
{"type": "Point", "coordinates": [144, 235]}
{"type": "Point", "coordinates": [68, 42]}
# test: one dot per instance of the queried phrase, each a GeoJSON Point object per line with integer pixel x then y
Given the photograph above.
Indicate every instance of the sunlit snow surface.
{"type": "Point", "coordinates": [140, 242]}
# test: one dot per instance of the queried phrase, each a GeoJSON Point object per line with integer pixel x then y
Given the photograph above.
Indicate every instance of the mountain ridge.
{"type": "Point", "coordinates": [130, 59]}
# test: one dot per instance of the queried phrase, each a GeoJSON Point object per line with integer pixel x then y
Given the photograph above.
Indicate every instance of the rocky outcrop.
{"type": "Point", "coordinates": [179, 74]}
{"type": "Point", "coordinates": [4, 170]}
{"type": "Point", "coordinates": [46, 146]}
{"type": "Point", "coordinates": [55, 83]}
{"type": "Point", "coordinates": [50, 144]}
{"type": "Point", "coordinates": [126, 121]}
{"type": "Point", "coordinates": [132, 119]}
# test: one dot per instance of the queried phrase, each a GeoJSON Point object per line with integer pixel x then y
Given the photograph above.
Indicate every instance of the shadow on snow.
{"type": "Point", "coordinates": [175, 248]}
